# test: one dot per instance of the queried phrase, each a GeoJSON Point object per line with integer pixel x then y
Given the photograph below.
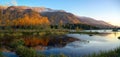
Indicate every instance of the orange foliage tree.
{"type": "Point", "coordinates": [31, 21]}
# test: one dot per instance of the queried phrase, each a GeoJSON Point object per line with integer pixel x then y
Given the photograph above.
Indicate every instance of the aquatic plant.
{"type": "Point", "coordinates": [1, 54]}
{"type": "Point", "coordinates": [22, 51]}
{"type": "Point", "coordinates": [112, 53]}
{"type": "Point", "coordinates": [17, 42]}
{"type": "Point", "coordinates": [58, 55]}
{"type": "Point", "coordinates": [41, 55]}
{"type": "Point", "coordinates": [1, 34]}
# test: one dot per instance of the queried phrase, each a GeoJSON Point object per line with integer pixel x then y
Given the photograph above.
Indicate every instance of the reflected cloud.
{"type": "Point", "coordinates": [88, 38]}
{"type": "Point", "coordinates": [77, 44]}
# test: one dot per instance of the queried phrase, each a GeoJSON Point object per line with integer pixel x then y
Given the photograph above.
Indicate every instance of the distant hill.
{"type": "Point", "coordinates": [97, 23]}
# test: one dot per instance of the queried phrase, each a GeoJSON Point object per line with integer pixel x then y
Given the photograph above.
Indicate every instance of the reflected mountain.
{"type": "Point", "coordinates": [78, 43]}
{"type": "Point", "coordinates": [40, 42]}
{"type": "Point", "coordinates": [48, 42]}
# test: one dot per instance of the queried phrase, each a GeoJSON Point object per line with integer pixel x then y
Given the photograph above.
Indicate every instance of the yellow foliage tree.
{"type": "Point", "coordinates": [31, 21]}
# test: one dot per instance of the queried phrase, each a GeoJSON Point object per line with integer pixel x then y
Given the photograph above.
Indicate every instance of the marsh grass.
{"type": "Point", "coordinates": [23, 51]}
{"type": "Point", "coordinates": [112, 53]}
{"type": "Point", "coordinates": [18, 33]}
{"type": "Point", "coordinates": [29, 52]}
{"type": "Point", "coordinates": [1, 54]}
{"type": "Point", "coordinates": [86, 32]}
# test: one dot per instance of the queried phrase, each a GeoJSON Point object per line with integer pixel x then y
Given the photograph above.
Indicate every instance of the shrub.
{"type": "Point", "coordinates": [2, 34]}
{"type": "Point", "coordinates": [17, 34]}
{"type": "Point", "coordinates": [1, 54]}
{"type": "Point", "coordinates": [41, 55]}
{"type": "Point", "coordinates": [112, 53]}
{"type": "Point", "coordinates": [60, 55]}
{"type": "Point", "coordinates": [22, 51]}
{"type": "Point", "coordinates": [16, 42]}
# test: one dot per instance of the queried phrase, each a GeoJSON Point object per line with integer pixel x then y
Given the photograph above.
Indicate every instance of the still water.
{"type": "Point", "coordinates": [89, 44]}
{"type": "Point", "coordinates": [105, 41]}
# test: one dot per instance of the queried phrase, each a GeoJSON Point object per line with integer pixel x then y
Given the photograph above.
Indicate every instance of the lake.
{"type": "Point", "coordinates": [105, 41]}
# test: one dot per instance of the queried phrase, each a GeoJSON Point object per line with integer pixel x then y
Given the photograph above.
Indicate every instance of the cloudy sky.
{"type": "Point", "coordinates": [107, 10]}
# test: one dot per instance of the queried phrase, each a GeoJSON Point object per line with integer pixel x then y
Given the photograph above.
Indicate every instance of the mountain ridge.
{"type": "Point", "coordinates": [37, 9]}
{"type": "Point", "coordinates": [56, 16]}
{"type": "Point", "coordinates": [94, 22]}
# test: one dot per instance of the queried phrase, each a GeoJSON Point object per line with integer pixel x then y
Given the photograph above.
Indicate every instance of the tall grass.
{"type": "Point", "coordinates": [112, 53]}
{"type": "Point", "coordinates": [1, 54]}
{"type": "Point", "coordinates": [22, 51]}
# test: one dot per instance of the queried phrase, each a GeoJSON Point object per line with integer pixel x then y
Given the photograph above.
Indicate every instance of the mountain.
{"type": "Point", "coordinates": [37, 9]}
{"type": "Point", "coordinates": [94, 22]}
{"type": "Point", "coordinates": [64, 17]}
{"type": "Point", "coordinates": [21, 17]}
{"type": "Point", "coordinates": [3, 7]}
{"type": "Point", "coordinates": [53, 16]}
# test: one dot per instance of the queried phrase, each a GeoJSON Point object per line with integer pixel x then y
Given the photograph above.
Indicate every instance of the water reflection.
{"type": "Point", "coordinates": [88, 38]}
{"type": "Point", "coordinates": [77, 44]}
{"type": "Point", "coordinates": [41, 48]}
{"type": "Point", "coordinates": [74, 44]}
{"type": "Point", "coordinates": [46, 42]}
{"type": "Point", "coordinates": [91, 44]}
{"type": "Point", "coordinates": [39, 42]}
{"type": "Point", "coordinates": [113, 35]}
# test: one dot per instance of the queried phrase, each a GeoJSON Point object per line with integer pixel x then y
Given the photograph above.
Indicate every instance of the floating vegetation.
{"type": "Point", "coordinates": [119, 37]}
{"type": "Point", "coordinates": [90, 35]}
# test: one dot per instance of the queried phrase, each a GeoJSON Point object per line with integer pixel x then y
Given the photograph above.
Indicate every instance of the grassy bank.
{"type": "Point", "coordinates": [29, 52]}
{"type": "Point", "coordinates": [1, 54]}
{"type": "Point", "coordinates": [85, 32]}
{"type": "Point", "coordinates": [21, 42]}
{"type": "Point", "coordinates": [31, 32]}
{"type": "Point", "coordinates": [22, 45]}
{"type": "Point", "coordinates": [112, 53]}
{"type": "Point", "coordinates": [21, 32]}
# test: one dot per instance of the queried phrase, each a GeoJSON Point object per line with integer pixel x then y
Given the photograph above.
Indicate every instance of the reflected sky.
{"type": "Point", "coordinates": [88, 44]}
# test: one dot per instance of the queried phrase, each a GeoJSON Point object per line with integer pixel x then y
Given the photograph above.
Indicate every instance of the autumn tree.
{"type": "Point", "coordinates": [23, 19]}
{"type": "Point", "coordinates": [60, 24]}
{"type": "Point", "coordinates": [31, 21]}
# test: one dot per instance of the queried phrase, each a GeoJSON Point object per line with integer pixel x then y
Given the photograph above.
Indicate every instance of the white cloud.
{"type": "Point", "coordinates": [14, 2]}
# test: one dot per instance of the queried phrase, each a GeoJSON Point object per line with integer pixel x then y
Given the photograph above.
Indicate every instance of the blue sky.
{"type": "Point", "coordinates": [107, 10]}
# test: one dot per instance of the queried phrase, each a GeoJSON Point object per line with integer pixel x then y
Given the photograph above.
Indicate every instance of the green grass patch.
{"type": "Point", "coordinates": [112, 53]}
{"type": "Point", "coordinates": [1, 54]}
